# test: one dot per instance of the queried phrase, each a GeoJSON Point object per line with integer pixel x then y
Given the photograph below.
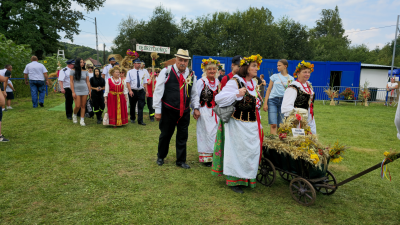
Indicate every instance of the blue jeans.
{"type": "Point", "coordinates": [274, 110]}
{"type": "Point", "coordinates": [37, 86]}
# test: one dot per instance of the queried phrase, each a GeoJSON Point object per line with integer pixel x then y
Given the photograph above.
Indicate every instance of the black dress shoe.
{"type": "Point", "coordinates": [183, 165]}
{"type": "Point", "coordinates": [237, 189]}
{"type": "Point", "coordinates": [41, 104]}
{"type": "Point", "coordinates": [160, 161]}
{"type": "Point", "coordinates": [133, 121]}
{"type": "Point", "coordinates": [151, 119]}
{"type": "Point", "coordinates": [99, 121]}
{"type": "Point", "coordinates": [143, 124]}
{"type": "Point", "coordinates": [70, 118]}
{"type": "Point", "coordinates": [208, 164]}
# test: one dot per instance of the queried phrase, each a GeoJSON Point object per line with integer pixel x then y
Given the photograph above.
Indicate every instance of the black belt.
{"type": "Point", "coordinates": [138, 90]}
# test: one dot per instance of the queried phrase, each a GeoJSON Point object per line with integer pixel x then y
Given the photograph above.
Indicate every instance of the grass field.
{"type": "Point", "coordinates": [56, 172]}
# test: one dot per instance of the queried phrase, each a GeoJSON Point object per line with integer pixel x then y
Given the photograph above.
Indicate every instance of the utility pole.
{"type": "Point", "coordinates": [394, 46]}
{"type": "Point", "coordinates": [104, 54]}
{"type": "Point", "coordinates": [97, 42]}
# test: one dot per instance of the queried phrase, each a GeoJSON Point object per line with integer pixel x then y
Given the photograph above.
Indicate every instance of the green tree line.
{"type": "Point", "coordinates": [253, 31]}
{"type": "Point", "coordinates": [72, 51]}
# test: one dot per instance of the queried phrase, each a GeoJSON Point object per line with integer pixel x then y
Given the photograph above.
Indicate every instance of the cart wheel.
{"type": "Point", "coordinates": [331, 180]}
{"type": "Point", "coordinates": [302, 191]}
{"type": "Point", "coordinates": [266, 173]}
{"type": "Point", "coordinates": [286, 176]}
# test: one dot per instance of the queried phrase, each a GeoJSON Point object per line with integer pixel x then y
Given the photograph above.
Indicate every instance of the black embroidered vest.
{"type": "Point", "coordinates": [207, 96]}
{"type": "Point", "coordinates": [245, 109]}
{"type": "Point", "coordinates": [302, 99]}
{"type": "Point", "coordinates": [171, 98]}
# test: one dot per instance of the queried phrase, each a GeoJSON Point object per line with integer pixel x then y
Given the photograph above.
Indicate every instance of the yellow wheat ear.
{"type": "Point", "coordinates": [154, 55]}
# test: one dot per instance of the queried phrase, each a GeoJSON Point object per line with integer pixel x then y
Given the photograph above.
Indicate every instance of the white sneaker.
{"type": "Point", "coordinates": [74, 119]}
{"type": "Point", "coordinates": [9, 107]}
{"type": "Point", "coordinates": [82, 123]}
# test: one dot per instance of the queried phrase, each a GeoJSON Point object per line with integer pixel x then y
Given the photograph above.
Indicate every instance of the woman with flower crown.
{"type": "Point", "coordinates": [300, 94]}
{"type": "Point", "coordinates": [207, 124]}
{"type": "Point", "coordinates": [237, 153]}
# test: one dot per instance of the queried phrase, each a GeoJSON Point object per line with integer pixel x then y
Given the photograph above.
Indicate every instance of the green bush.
{"type": "Point", "coordinates": [52, 64]}
{"type": "Point", "coordinates": [16, 55]}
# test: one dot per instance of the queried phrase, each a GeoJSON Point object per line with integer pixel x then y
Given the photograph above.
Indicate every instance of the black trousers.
{"type": "Point", "coordinates": [139, 98]}
{"type": "Point", "coordinates": [98, 103]}
{"type": "Point", "coordinates": [169, 120]}
{"type": "Point", "coordinates": [150, 106]}
{"type": "Point", "coordinates": [68, 102]}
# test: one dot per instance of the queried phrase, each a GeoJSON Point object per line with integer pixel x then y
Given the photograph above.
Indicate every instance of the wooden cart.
{"type": "Point", "coordinates": [305, 179]}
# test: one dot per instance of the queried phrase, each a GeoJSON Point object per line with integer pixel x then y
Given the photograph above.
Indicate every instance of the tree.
{"type": "Point", "coordinates": [160, 30]}
{"type": "Point", "coordinates": [328, 37]}
{"type": "Point", "coordinates": [295, 43]}
{"type": "Point", "coordinates": [37, 22]}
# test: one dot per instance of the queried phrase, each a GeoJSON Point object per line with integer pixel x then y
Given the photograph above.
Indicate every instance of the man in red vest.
{"type": "Point", "coordinates": [175, 91]}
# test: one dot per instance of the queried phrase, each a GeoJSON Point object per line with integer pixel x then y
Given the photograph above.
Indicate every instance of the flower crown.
{"type": "Point", "coordinates": [306, 64]}
{"type": "Point", "coordinates": [206, 62]}
{"type": "Point", "coordinates": [132, 53]}
{"type": "Point", "coordinates": [254, 58]}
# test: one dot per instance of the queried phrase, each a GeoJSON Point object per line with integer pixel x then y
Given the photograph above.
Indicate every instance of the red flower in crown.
{"type": "Point", "coordinates": [298, 117]}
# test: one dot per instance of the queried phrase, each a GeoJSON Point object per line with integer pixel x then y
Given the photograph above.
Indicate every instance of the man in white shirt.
{"type": "Point", "coordinates": [65, 87]}
{"type": "Point", "coordinates": [107, 68]}
{"type": "Point", "coordinates": [38, 80]}
{"type": "Point", "coordinates": [175, 91]}
{"type": "Point", "coordinates": [136, 82]}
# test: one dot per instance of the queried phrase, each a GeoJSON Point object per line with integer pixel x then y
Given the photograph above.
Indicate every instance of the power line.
{"type": "Point", "coordinates": [88, 17]}
{"type": "Point", "coordinates": [375, 28]}
{"type": "Point", "coordinates": [86, 32]}
{"type": "Point", "coordinates": [104, 36]}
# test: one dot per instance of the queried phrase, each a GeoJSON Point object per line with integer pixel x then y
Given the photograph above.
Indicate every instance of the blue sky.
{"type": "Point", "coordinates": [356, 15]}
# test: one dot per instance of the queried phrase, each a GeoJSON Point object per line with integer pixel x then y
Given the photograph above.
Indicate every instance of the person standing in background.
{"type": "Point", "coordinates": [97, 85]}
{"type": "Point", "coordinates": [262, 85]}
{"type": "Point", "coordinates": [105, 74]}
{"type": "Point", "coordinates": [10, 93]}
{"type": "Point", "coordinates": [6, 73]}
{"type": "Point", "coordinates": [235, 70]}
{"type": "Point", "coordinates": [275, 92]}
{"type": "Point", "coordinates": [392, 87]}
{"type": "Point", "coordinates": [90, 70]}
{"type": "Point", "coordinates": [38, 80]}
{"type": "Point", "coordinates": [64, 81]}
{"type": "Point", "coordinates": [135, 81]}
{"type": "Point", "coordinates": [221, 75]}
{"type": "Point", "coordinates": [150, 83]}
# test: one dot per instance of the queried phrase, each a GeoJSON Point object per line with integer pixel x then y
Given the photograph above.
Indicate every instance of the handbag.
{"type": "Point", "coordinates": [106, 120]}
{"type": "Point", "coordinates": [89, 108]}
{"type": "Point", "coordinates": [225, 113]}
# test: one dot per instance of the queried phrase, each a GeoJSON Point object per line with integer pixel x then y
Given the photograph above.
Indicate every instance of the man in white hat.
{"type": "Point", "coordinates": [175, 91]}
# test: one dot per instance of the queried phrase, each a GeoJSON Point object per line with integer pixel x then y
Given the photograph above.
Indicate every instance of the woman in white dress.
{"type": "Point", "coordinates": [238, 147]}
{"type": "Point", "coordinates": [300, 94]}
{"type": "Point", "coordinates": [207, 124]}
{"type": "Point", "coordinates": [392, 87]}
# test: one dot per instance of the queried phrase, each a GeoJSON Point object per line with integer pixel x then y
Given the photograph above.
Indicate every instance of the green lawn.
{"type": "Point", "coordinates": [56, 172]}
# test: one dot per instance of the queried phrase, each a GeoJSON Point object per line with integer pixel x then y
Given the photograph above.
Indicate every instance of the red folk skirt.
{"type": "Point", "coordinates": [116, 105]}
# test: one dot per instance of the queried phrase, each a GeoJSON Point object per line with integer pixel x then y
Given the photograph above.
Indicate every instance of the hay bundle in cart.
{"type": "Point", "coordinates": [299, 158]}
{"type": "Point", "coordinates": [303, 161]}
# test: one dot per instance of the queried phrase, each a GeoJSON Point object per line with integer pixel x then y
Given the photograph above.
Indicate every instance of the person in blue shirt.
{"type": "Point", "coordinates": [274, 96]}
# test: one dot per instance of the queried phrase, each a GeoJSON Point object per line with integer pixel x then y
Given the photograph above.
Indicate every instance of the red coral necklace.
{"type": "Point", "coordinates": [252, 88]}
{"type": "Point", "coordinates": [211, 83]}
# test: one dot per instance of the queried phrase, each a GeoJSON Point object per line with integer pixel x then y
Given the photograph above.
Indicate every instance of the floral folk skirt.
{"type": "Point", "coordinates": [218, 161]}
